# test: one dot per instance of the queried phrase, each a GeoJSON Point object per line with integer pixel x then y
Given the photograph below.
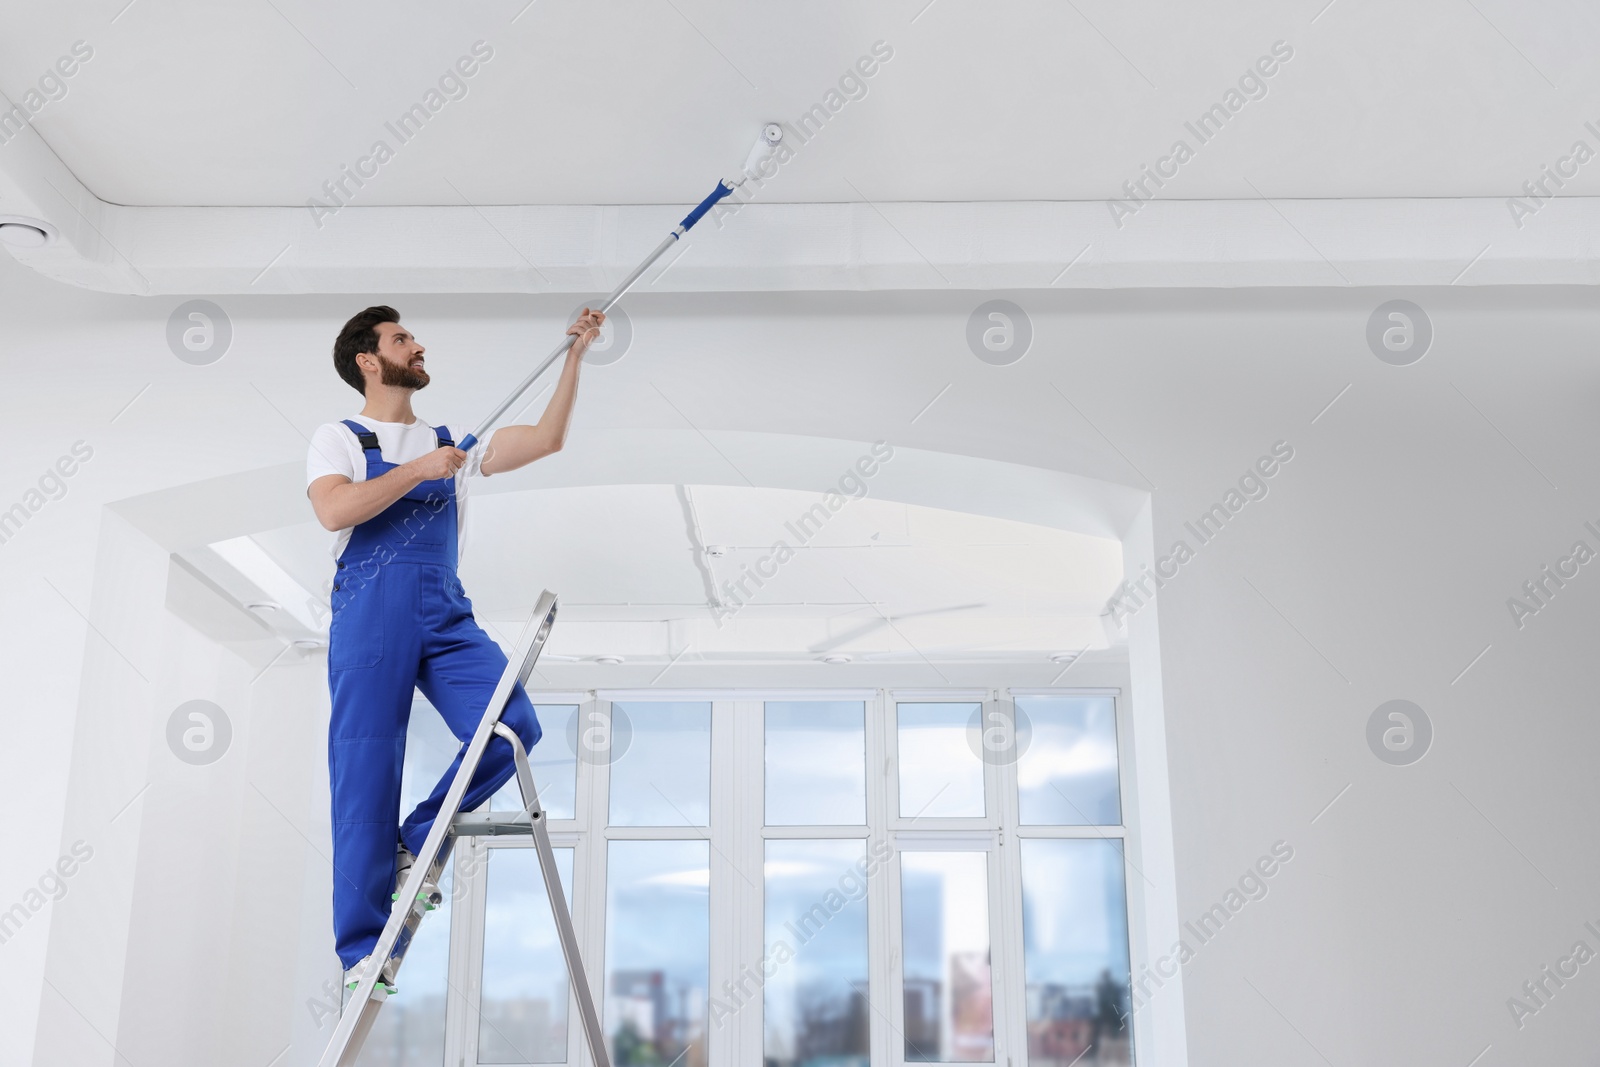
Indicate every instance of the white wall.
{"type": "Point", "coordinates": [191, 935]}
{"type": "Point", "coordinates": [1378, 567]}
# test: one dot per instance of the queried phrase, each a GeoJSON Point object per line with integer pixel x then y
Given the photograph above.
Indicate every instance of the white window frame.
{"type": "Point", "coordinates": [737, 855]}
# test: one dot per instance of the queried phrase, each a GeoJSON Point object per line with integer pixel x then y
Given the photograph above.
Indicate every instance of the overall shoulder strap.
{"type": "Point", "coordinates": [442, 433]}
{"type": "Point", "coordinates": [368, 439]}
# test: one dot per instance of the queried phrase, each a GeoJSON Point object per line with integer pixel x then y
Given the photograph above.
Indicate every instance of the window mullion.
{"type": "Point", "coordinates": [749, 917]}
{"type": "Point", "coordinates": [735, 880]}
{"type": "Point", "coordinates": [591, 917]}
{"type": "Point", "coordinates": [883, 910]}
{"type": "Point", "coordinates": [464, 966]}
{"type": "Point", "coordinates": [1008, 976]}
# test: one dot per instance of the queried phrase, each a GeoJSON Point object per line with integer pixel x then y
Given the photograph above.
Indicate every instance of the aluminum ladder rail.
{"type": "Point", "coordinates": [362, 1009]}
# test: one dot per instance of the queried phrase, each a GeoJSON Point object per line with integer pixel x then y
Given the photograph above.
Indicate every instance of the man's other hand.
{"type": "Point", "coordinates": [442, 462]}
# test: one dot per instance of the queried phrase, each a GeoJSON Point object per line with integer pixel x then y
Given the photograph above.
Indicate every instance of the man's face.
{"type": "Point", "coordinates": [400, 357]}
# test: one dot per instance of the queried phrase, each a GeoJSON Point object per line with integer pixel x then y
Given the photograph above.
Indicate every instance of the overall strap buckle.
{"type": "Point", "coordinates": [368, 439]}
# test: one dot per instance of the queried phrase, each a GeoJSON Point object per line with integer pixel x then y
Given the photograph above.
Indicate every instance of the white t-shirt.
{"type": "Point", "coordinates": [335, 450]}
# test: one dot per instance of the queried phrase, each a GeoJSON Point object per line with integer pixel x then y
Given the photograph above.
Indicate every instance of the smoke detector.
{"type": "Point", "coordinates": [18, 231]}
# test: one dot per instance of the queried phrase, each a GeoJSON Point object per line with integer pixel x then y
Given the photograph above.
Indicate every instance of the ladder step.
{"type": "Point", "coordinates": [492, 824]}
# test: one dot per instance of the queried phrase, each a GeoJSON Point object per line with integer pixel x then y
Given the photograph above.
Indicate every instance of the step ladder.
{"type": "Point", "coordinates": [418, 895]}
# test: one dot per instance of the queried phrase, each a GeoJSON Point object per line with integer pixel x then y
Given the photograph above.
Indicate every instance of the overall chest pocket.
{"type": "Point", "coordinates": [421, 518]}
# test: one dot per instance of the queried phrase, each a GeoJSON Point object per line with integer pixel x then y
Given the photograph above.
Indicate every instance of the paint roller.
{"type": "Point", "coordinates": [755, 165]}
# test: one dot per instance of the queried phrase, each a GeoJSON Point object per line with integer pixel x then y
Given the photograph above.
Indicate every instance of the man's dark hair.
{"type": "Point", "coordinates": [359, 335]}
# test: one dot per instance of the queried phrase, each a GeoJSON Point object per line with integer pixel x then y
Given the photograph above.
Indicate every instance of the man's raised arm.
{"type": "Point", "coordinates": [511, 447]}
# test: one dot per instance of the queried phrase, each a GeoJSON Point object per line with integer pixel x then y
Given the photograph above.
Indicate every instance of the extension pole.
{"type": "Point", "coordinates": [723, 188]}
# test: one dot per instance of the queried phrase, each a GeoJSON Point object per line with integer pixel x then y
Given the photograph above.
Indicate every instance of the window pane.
{"type": "Point", "coordinates": [430, 749]}
{"type": "Point", "coordinates": [523, 1011]}
{"type": "Point", "coordinates": [816, 763]}
{"type": "Point", "coordinates": [554, 765]}
{"type": "Point", "coordinates": [663, 776]}
{"type": "Point", "coordinates": [1068, 773]}
{"type": "Point", "coordinates": [816, 937]}
{"type": "Point", "coordinates": [658, 943]}
{"type": "Point", "coordinates": [1075, 952]}
{"type": "Point", "coordinates": [944, 920]}
{"type": "Point", "coordinates": [409, 1032]}
{"type": "Point", "coordinates": [940, 773]}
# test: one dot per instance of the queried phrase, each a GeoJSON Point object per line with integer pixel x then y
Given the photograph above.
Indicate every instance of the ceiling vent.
{"type": "Point", "coordinates": [20, 232]}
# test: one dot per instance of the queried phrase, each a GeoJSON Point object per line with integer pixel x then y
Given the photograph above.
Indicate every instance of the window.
{"type": "Point", "coordinates": [940, 775]}
{"type": "Point", "coordinates": [1075, 950]}
{"type": "Point", "coordinates": [816, 755]}
{"type": "Point", "coordinates": [522, 1014]}
{"type": "Point", "coordinates": [657, 969]}
{"type": "Point", "coordinates": [663, 776]}
{"type": "Point", "coordinates": [944, 919]}
{"type": "Point", "coordinates": [816, 1003]}
{"type": "Point", "coordinates": [414, 1035]}
{"type": "Point", "coordinates": [1067, 769]}
{"type": "Point", "coordinates": [555, 764]}
{"type": "Point", "coordinates": [844, 877]}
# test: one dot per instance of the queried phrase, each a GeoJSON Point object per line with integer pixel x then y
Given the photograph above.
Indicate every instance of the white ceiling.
{"type": "Point", "coordinates": [183, 154]}
{"type": "Point", "coordinates": [196, 103]}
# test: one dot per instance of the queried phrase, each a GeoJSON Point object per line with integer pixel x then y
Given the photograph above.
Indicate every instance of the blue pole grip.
{"type": "Point", "coordinates": [466, 443]}
{"type": "Point", "coordinates": [722, 190]}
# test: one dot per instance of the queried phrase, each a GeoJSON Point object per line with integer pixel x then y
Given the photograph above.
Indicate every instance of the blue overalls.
{"type": "Point", "coordinates": [401, 621]}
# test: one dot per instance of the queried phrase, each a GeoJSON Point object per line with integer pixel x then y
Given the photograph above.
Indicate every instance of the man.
{"type": "Point", "coordinates": [395, 490]}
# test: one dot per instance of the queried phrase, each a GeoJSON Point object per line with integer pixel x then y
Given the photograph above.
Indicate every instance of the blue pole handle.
{"type": "Point", "coordinates": [722, 190]}
{"type": "Point", "coordinates": [466, 443]}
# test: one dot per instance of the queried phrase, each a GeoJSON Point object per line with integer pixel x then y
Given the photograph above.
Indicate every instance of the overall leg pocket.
{"type": "Point", "coordinates": [355, 634]}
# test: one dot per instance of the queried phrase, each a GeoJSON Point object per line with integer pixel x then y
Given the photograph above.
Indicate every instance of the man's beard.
{"type": "Point", "coordinates": [401, 374]}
